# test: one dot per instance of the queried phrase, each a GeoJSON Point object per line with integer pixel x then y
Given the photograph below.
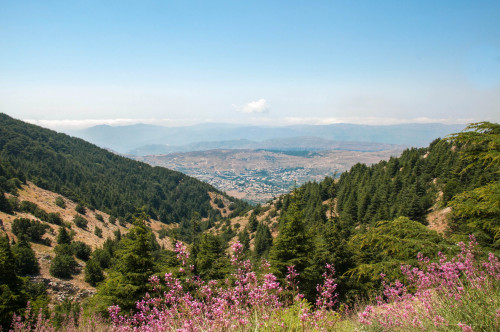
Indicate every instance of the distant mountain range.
{"type": "Point", "coordinates": [142, 139]}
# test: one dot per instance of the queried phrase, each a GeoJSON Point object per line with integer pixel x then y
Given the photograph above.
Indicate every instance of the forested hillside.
{"type": "Point", "coordinates": [374, 218]}
{"type": "Point", "coordinates": [370, 222]}
{"type": "Point", "coordinates": [99, 179]}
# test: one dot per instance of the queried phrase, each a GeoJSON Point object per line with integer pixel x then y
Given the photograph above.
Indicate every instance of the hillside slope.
{"type": "Point", "coordinates": [99, 179]}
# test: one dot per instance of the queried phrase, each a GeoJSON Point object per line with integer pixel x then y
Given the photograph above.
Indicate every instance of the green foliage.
{"type": "Point", "coordinates": [60, 202]}
{"type": "Point", "coordinates": [102, 257]}
{"type": "Point", "coordinates": [293, 246]}
{"type": "Point", "coordinates": [244, 239]}
{"type": "Point", "coordinates": [98, 232]}
{"type": "Point", "coordinates": [5, 205]}
{"type": "Point", "coordinates": [80, 209]}
{"type": "Point", "coordinates": [13, 296]}
{"type": "Point", "coordinates": [99, 217]}
{"type": "Point", "coordinates": [64, 249]}
{"type": "Point", "coordinates": [54, 218]}
{"type": "Point", "coordinates": [32, 229]}
{"type": "Point", "coordinates": [252, 222]}
{"type": "Point", "coordinates": [208, 255]}
{"type": "Point", "coordinates": [102, 180]}
{"type": "Point", "coordinates": [63, 236]}
{"type": "Point", "coordinates": [80, 221]}
{"type": "Point", "coordinates": [81, 250]}
{"type": "Point", "coordinates": [477, 211]}
{"type": "Point", "coordinates": [93, 273]}
{"type": "Point", "coordinates": [162, 233]}
{"type": "Point", "coordinates": [482, 145]}
{"type": "Point", "coordinates": [26, 262]}
{"type": "Point", "coordinates": [389, 244]}
{"type": "Point", "coordinates": [263, 240]}
{"type": "Point", "coordinates": [134, 264]}
{"type": "Point", "coordinates": [62, 266]}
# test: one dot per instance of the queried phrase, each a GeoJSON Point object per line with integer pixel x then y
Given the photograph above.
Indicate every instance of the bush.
{"type": "Point", "coordinates": [80, 221]}
{"type": "Point", "coordinates": [80, 209]}
{"type": "Point", "coordinates": [33, 229]}
{"type": "Point", "coordinates": [162, 233]}
{"type": "Point", "coordinates": [26, 262]}
{"type": "Point", "coordinates": [64, 249]}
{"type": "Point", "coordinates": [14, 202]}
{"type": "Point", "coordinates": [112, 220]}
{"type": "Point", "coordinates": [81, 250]}
{"type": "Point", "coordinates": [60, 202]}
{"type": "Point", "coordinates": [93, 273]}
{"type": "Point", "coordinates": [99, 217]}
{"type": "Point", "coordinates": [54, 218]}
{"type": "Point", "coordinates": [98, 232]}
{"type": "Point", "coordinates": [63, 237]}
{"type": "Point", "coordinates": [62, 266]}
{"type": "Point", "coordinates": [102, 257]}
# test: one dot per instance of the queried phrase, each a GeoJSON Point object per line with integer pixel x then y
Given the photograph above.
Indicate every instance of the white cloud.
{"type": "Point", "coordinates": [258, 106]}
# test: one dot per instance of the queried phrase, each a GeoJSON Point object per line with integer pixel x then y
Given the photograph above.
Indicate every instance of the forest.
{"type": "Point", "coordinates": [342, 243]}
{"type": "Point", "coordinates": [98, 178]}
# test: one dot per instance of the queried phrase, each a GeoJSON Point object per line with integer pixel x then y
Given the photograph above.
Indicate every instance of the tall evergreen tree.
{"type": "Point", "coordinates": [293, 246]}
{"type": "Point", "coordinates": [13, 297]}
{"type": "Point", "coordinates": [263, 240]}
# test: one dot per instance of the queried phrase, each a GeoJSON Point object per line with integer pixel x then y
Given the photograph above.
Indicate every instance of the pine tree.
{"type": "Point", "coordinates": [26, 262]}
{"type": "Point", "coordinates": [293, 246]}
{"type": "Point", "coordinates": [13, 297]}
{"type": "Point", "coordinates": [263, 240]}
{"type": "Point", "coordinates": [252, 223]}
{"type": "Point", "coordinates": [93, 273]}
{"type": "Point", "coordinates": [63, 236]}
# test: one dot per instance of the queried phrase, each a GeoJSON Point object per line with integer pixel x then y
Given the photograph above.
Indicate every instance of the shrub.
{"type": "Point", "coordinates": [93, 273]}
{"type": "Point", "coordinates": [80, 209]}
{"type": "Point", "coordinates": [64, 249]}
{"type": "Point", "coordinates": [54, 218]}
{"type": "Point", "coordinates": [452, 294]}
{"type": "Point", "coordinates": [98, 232]}
{"type": "Point", "coordinates": [102, 257]}
{"type": "Point", "coordinates": [248, 303]}
{"type": "Point", "coordinates": [60, 202]}
{"type": "Point", "coordinates": [80, 221]}
{"type": "Point", "coordinates": [112, 220]}
{"type": "Point", "coordinates": [63, 237]}
{"type": "Point", "coordinates": [81, 250]}
{"type": "Point", "coordinates": [33, 229]}
{"type": "Point", "coordinates": [62, 266]}
{"type": "Point", "coordinates": [99, 217]}
{"type": "Point", "coordinates": [26, 262]}
{"type": "Point", "coordinates": [162, 233]}
{"type": "Point", "coordinates": [14, 203]}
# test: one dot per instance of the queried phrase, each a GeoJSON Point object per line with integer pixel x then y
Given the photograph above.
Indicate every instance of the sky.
{"type": "Point", "coordinates": [69, 64]}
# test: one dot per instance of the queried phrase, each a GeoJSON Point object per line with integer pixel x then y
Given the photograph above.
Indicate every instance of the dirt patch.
{"type": "Point", "coordinates": [438, 220]}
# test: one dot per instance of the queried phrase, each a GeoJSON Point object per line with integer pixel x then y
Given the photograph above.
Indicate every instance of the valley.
{"type": "Point", "coordinates": [259, 175]}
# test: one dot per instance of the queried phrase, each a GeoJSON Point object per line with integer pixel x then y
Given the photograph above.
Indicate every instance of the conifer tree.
{"type": "Point", "coordinates": [293, 246]}
{"type": "Point", "coordinates": [63, 236]}
{"type": "Point", "coordinates": [93, 273]}
{"type": "Point", "coordinates": [12, 294]}
{"type": "Point", "coordinates": [26, 262]}
{"type": "Point", "coordinates": [263, 240]}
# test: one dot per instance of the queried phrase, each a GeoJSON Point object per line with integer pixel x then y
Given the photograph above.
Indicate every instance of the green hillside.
{"type": "Point", "coordinates": [100, 179]}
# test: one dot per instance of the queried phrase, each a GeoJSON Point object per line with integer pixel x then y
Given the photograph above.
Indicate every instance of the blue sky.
{"type": "Point", "coordinates": [82, 62]}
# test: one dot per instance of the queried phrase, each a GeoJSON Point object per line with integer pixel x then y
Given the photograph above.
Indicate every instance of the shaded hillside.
{"type": "Point", "coordinates": [100, 179]}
